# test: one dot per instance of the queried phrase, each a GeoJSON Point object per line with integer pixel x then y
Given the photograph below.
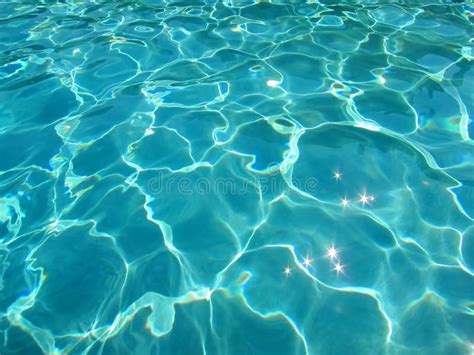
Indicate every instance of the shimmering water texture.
{"type": "Point", "coordinates": [236, 177]}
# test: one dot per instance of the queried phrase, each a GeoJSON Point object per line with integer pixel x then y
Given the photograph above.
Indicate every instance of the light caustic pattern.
{"type": "Point", "coordinates": [236, 177]}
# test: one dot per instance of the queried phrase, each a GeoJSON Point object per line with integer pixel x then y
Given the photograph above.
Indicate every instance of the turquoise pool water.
{"type": "Point", "coordinates": [236, 177]}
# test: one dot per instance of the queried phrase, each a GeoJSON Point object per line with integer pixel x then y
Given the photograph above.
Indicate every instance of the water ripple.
{"type": "Point", "coordinates": [236, 177]}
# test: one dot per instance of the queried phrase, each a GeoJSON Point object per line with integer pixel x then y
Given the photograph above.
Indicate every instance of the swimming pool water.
{"type": "Point", "coordinates": [236, 177]}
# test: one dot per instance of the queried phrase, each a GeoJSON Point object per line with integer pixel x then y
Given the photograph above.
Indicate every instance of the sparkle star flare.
{"type": "Point", "coordinates": [344, 202]}
{"type": "Point", "coordinates": [337, 175]}
{"type": "Point", "coordinates": [338, 267]}
{"type": "Point", "coordinates": [332, 252]}
{"type": "Point", "coordinates": [364, 199]}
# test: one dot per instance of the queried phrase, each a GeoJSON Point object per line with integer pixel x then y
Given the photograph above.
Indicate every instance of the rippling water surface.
{"type": "Point", "coordinates": [236, 177]}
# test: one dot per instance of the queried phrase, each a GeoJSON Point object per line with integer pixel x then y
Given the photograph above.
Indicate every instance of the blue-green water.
{"type": "Point", "coordinates": [236, 177]}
